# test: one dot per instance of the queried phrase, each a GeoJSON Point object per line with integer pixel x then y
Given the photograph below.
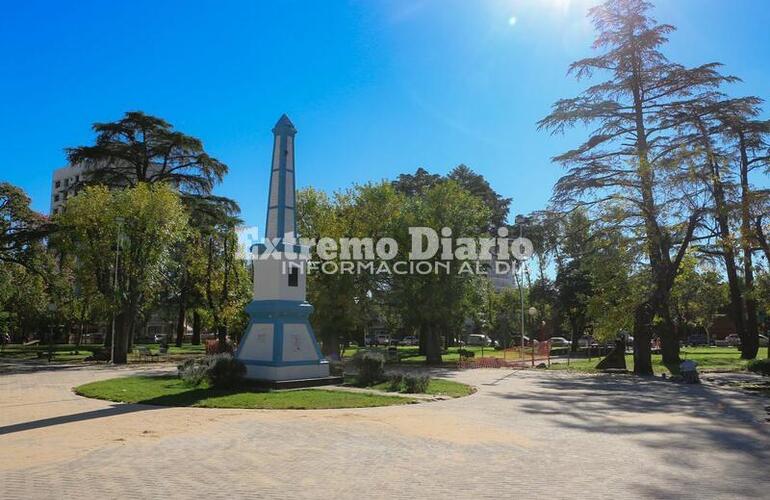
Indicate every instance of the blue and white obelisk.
{"type": "Point", "coordinates": [279, 344]}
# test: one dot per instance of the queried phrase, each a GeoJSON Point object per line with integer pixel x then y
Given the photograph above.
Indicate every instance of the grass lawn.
{"type": "Point", "coordinates": [66, 353]}
{"type": "Point", "coordinates": [411, 355]}
{"type": "Point", "coordinates": [439, 387]}
{"type": "Point", "coordinates": [708, 359]}
{"type": "Point", "coordinates": [170, 391]}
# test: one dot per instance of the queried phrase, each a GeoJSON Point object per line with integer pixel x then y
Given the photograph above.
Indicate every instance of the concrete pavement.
{"type": "Point", "coordinates": [524, 434]}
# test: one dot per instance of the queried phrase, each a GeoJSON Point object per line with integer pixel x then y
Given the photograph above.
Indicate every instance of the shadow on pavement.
{"type": "Point", "coordinates": [683, 422]}
{"type": "Point", "coordinates": [76, 417]}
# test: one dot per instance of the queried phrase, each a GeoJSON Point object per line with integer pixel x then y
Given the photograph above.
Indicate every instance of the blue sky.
{"type": "Point", "coordinates": [375, 88]}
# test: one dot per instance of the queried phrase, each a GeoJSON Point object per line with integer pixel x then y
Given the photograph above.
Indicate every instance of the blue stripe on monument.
{"type": "Point", "coordinates": [282, 185]}
{"type": "Point", "coordinates": [277, 341]}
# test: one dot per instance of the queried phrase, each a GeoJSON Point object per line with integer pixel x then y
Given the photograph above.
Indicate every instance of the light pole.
{"type": "Point", "coordinates": [119, 222]}
{"type": "Point", "coordinates": [532, 311]}
{"type": "Point", "coordinates": [520, 221]}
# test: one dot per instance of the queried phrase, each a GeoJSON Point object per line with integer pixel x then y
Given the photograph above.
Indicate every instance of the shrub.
{"type": "Point", "coordinates": [220, 370]}
{"type": "Point", "coordinates": [371, 367]}
{"type": "Point", "coordinates": [395, 382]}
{"type": "Point", "coordinates": [193, 371]}
{"type": "Point", "coordinates": [225, 371]}
{"type": "Point", "coordinates": [761, 366]}
{"type": "Point", "coordinates": [336, 367]}
{"type": "Point", "coordinates": [212, 347]}
{"type": "Point", "coordinates": [416, 384]}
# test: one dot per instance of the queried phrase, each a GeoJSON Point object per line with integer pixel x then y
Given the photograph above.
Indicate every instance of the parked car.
{"type": "Point", "coordinates": [409, 340]}
{"type": "Point", "coordinates": [516, 341]}
{"type": "Point", "coordinates": [560, 342]}
{"type": "Point", "coordinates": [476, 339]}
{"type": "Point", "coordinates": [763, 340]}
{"type": "Point", "coordinates": [733, 340]}
{"type": "Point", "coordinates": [586, 341]}
{"type": "Point", "coordinates": [160, 338]}
{"type": "Point", "coordinates": [697, 339]}
{"type": "Point", "coordinates": [383, 339]}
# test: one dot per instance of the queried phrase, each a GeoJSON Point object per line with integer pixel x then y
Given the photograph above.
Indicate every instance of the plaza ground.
{"type": "Point", "coordinates": [523, 434]}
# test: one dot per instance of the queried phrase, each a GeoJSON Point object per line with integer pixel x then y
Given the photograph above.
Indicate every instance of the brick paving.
{"type": "Point", "coordinates": [524, 434]}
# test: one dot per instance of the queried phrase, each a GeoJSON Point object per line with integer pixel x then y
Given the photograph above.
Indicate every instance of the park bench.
{"type": "Point", "coordinates": [143, 352]}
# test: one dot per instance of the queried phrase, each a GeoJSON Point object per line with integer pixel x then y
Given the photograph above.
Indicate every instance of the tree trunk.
{"type": "Point", "coordinates": [669, 339]}
{"type": "Point", "coordinates": [642, 337]}
{"type": "Point", "coordinates": [330, 345]}
{"type": "Point", "coordinates": [749, 346]}
{"type": "Point", "coordinates": [180, 320]}
{"type": "Point", "coordinates": [432, 347]}
{"type": "Point", "coordinates": [196, 334]}
{"type": "Point", "coordinates": [119, 351]}
{"type": "Point", "coordinates": [728, 251]}
{"type": "Point", "coordinates": [222, 338]}
{"type": "Point", "coordinates": [422, 343]}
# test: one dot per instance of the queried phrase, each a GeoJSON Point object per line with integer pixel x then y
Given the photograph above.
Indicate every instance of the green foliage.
{"type": "Point", "coordinates": [220, 370]}
{"type": "Point", "coordinates": [225, 371]}
{"type": "Point", "coordinates": [761, 366]}
{"type": "Point", "coordinates": [409, 383]}
{"type": "Point", "coordinates": [395, 382]}
{"type": "Point", "coordinates": [166, 156]}
{"type": "Point", "coordinates": [138, 227]}
{"type": "Point", "coordinates": [21, 228]}
{"type": "Point", "coordinates": [370, 366]}
{"type": "Point", "coordinates": [415, 383]}
{"type": "Point", "coordinates": [193, 371]}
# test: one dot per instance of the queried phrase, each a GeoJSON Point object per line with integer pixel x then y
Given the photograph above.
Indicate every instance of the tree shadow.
{"type": "Point", "coordinates": [683, 423]}
{"type": "Point", "coordinates": [112, 411]}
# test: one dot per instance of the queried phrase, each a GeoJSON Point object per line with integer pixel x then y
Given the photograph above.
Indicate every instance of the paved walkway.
{"type": "Point", "coordinates": [530, 434]}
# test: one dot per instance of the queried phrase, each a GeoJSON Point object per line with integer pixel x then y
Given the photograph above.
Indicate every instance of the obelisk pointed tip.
{"type": "Point", "coordinates": [284, 125]}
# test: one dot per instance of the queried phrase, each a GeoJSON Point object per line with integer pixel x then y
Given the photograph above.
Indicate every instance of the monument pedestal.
{"type": "Point", "coordinates": [279, 344]}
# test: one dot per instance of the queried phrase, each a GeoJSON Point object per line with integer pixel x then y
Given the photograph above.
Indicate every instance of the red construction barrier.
{"type": "Point", "coordinates": [513, 357]}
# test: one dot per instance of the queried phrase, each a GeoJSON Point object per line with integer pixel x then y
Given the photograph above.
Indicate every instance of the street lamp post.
{"type": "Point", "coordinates": [532, 311]}
{"type": "Point", "coordinates": [119, 222]}
{"type": "Point", "coordinates": [520, 221]}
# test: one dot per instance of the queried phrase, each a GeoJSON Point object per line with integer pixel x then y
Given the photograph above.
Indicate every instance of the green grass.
{"type": "Point", "coordinates": [411, 355]}
{"type": "Point", "coordinates": [438, 387]}
{"type": "Point", "coordinates": [67, 353]}
{"type": "Point", "coordinates": [708, 359]}
{"type": "Point", "coordinates": [170, 391]}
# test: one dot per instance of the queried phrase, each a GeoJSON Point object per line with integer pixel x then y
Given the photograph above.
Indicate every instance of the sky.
{"type": "Point", "coordinates": [375, 87]}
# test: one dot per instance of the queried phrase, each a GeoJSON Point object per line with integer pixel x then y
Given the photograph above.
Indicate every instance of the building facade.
{"type": "Point", "coordinates": [65, 183]}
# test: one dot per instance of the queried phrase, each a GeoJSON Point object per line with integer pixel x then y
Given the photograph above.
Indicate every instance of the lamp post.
{"type": "Point", "coordinates": [119, 223]}
{"type": "Point", "coordinates": [532, 311]}
{"type": "Point", "coordinates": [520, 221]}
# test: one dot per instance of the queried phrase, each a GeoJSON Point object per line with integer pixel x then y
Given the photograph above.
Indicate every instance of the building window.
{"type": "Point", "coordinates": [58, 184]}
{"type": "Point", "coordinates": [56, 197]}
{"type": "Point", "coordinates": [294, 276]}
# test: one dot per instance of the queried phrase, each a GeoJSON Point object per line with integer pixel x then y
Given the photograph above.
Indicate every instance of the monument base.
{"type": "Point", "coordinates": [298, 383]}
{"type": "Point", "coordinates": [279, 373]}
